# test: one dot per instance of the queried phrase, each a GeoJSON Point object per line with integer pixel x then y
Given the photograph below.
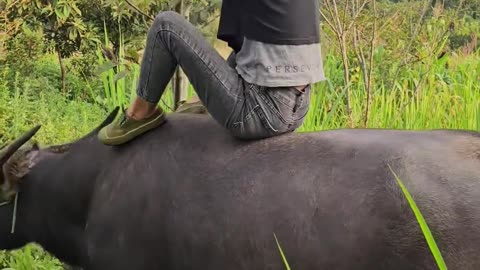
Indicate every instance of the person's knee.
{"type": "Point", "coordinates": [165, 18]}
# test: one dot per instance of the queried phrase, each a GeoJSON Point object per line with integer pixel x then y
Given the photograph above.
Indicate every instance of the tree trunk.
{"type": "Point", "coordinates": [62, 70]}
{"type": "Point", "coordinates": [180, 80]}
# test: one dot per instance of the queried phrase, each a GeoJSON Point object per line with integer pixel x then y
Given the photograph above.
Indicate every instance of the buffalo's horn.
{"type": "Point", "coordinates": [8, 151]}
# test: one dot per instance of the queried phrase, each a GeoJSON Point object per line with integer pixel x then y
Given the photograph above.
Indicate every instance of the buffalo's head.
{"type": "Point", "coordinates": [16, 161]}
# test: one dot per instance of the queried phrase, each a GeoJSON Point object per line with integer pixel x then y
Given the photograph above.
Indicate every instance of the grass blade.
{"type": "Point", "coordinates": [423, 225]}
{"type": "Point", "coordinates": [281, 253]}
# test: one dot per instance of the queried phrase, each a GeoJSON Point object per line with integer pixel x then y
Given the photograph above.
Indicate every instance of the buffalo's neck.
{"type": "Point", "coordinates": [61, 238]}
{"type": "Point", "coordinates": [48, 227]}
{"type": "Point", "coordinates": [13, 240]}
{"type": "Point", "coordinates": [54, 205]}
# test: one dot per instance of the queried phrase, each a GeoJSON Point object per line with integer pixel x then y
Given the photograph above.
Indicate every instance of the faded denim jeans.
{"type": "Point", "coordinates": [248, 111]}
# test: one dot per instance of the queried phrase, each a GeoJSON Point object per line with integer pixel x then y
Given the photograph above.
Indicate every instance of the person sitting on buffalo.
{"type": "Point", "coordinates": [261, 90]}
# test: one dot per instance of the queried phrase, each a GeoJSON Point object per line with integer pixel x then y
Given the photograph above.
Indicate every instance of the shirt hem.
{"type": "Point", "coordinates": [273, 82]}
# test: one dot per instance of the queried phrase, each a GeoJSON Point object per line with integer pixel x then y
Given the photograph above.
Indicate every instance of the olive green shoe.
{"type": "Point", "coordinates": [193, 105]}
{"type": "Point", "coordinates": [123, 129]}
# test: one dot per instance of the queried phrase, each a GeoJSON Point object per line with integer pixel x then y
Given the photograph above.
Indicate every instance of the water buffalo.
{"type": "Point", "coordinates": [190, 196]}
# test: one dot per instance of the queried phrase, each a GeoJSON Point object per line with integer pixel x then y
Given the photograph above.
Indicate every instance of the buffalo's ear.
{"type": "Point", "coordinates": [35, 146]}
{"type": "Point", "coordinates": [15, 162]}
{"type": "Point", "coordinates": [16, 167]}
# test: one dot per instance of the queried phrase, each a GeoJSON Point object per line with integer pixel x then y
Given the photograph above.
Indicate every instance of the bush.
{"type": "Point", "coordinates": [43, 75]}
{"type": "Point", "coordinates": [24, 49]}
{"type": "Point", "coordinates": [30, 103]}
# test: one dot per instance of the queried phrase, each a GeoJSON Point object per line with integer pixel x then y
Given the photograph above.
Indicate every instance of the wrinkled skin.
{"type": "Point", "coordinates": [189, 196]}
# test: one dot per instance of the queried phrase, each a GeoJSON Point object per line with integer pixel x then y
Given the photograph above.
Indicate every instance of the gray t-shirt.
{"type": "Point", "coordinates": [274, 65]}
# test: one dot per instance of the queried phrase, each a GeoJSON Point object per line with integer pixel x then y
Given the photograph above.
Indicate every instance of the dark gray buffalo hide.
{"type": "Point", "coordinates": [188, 196]}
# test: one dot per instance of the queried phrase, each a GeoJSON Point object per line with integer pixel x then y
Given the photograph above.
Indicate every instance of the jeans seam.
{"type": "Point", "coordinates": [201, 59]}
{"type": "Point", "coordinates": [274, 110]}
{"type": "Point", "coordinates": [247, 117]}
{"type": "Point", "coordinates": [283, 100]}
{"type": "Point", "coordinates": [265, 122]}
{"type": "Point", "coordinates": [143, 93]}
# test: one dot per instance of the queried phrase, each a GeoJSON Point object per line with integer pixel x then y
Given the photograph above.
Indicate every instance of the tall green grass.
{"type": "Point", "coordinates": [113, 74]}
{"type": "Point", "coordinates": [29, 258]}
{"type": "Point", "coordinates": [120, 78]}
{"type": "Point", "coordinates": [446, 97]}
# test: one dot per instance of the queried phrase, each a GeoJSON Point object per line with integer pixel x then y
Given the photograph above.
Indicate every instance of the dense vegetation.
{"type": "Point", "coordinates": [390, 64]}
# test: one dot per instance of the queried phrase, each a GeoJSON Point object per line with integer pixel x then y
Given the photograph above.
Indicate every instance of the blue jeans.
{"type": "Point", "coordinates": [248, 111]}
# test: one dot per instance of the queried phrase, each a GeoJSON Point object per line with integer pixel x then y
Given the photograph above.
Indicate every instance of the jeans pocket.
{"type": "Point", "coordinates": [250, 124]}
{"type": "Point", "coordinates": [288, 104]}
{"type": "Point", "coordinates": [284, 98]}
{"type": "Point", "coordinates": [269, 112]}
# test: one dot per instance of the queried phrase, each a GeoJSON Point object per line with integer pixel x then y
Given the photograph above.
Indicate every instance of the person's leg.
{"type": "Point", "coordinates": [194, 104]}
{"type": "Point", "coordinates": [173, 41]}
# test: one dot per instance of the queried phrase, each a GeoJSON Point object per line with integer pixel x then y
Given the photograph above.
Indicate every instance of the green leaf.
{"type": "Point", "coordinates": [72, 34]}
{"type": "Point", "coordinates": [173, 3]}
{"type": "Point", "coordinates": [120, 75]}
{"type": "Point", "coordinates": [38, 4]}
{"type": "Point", "coordinates": [58, 13]}
{"type": "Point", "coordinates": [105, 67]}
{"type": "Point", "coordinates": [76, 9]}
{"type": "Point", "coordinates": [423, 225]}
{"type": "Point", "coordinates": [66, 12]}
